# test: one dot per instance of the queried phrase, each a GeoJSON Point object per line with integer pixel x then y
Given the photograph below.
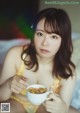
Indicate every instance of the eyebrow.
{"type": "Point", "coordinates": [50, 33]}
{"type": "Point", "coordinates": [39, 30]}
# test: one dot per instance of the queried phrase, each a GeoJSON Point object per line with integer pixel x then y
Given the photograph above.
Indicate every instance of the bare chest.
{"type": "Point", "coordinates": [43, 77]}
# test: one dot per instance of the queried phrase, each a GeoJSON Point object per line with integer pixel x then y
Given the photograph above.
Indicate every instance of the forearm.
{"type": "Point", "coordinates": [5, 90]}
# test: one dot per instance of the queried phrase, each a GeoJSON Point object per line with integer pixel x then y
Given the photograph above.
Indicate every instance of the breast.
{"type": "Point", "coordinates": [31, 76]}
{"type": "Point", "coordinates": [39, 77]}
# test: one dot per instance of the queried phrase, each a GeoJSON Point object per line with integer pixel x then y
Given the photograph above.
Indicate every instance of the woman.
{"type": "Point", "coordinates": [45, 60]}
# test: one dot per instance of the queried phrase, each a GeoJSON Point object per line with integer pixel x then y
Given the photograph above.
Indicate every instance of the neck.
{"type": "Point", "coordinates": [44, 61]}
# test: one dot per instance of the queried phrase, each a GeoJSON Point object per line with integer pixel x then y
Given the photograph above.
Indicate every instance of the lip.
{"type": "Point", "coordinates": [44, 51]}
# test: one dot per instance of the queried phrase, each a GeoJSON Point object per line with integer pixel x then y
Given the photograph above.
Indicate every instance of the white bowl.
{"type": "Point", "coordinates": [36, 99]}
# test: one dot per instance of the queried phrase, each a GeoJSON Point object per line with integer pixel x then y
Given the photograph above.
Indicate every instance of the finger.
{"type": "Point", "coordinates": [18, 86]}
{"type": "Point", "coordinates": [49, 110]}
{"type": "Point", "coordinates": [48, 103]}
{"type": "Point", "coordinates": [23, 82]}
{"type": "Point", "coordinates": [20, 77]}
{"type": "Point", "coordinates": [15, 89]}
{"type": "Point", "coordinates": [22, 86]}
{"type": "Point", "coordinates": [54, 96]}
{"type": "Point", "coordinates": [24, 78]}
{"type": "Point", "coordinates": [49, 99]}
{"type": "Point", "coordinates": [19, 83]}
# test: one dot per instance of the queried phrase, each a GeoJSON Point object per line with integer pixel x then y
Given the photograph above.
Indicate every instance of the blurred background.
{"type": "Point", "coordinates": [17, 16]}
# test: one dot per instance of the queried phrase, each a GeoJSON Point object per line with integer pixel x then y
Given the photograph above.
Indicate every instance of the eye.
{"type": "Point", "coordinates": [39, 34]}
{"type": "Point", "coordinates": [55, 37]}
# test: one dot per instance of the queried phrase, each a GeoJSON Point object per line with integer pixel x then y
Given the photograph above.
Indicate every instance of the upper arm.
{"type": "Point", "coordinates": [9, 66]}
{"type": "Point", "coordinates": [67, 88]}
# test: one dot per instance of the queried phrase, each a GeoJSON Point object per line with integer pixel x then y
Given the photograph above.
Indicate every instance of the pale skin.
{"type": "Point", "coordinates": [46, 46]}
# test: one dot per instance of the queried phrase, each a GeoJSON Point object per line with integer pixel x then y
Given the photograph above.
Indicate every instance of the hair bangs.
{"type": "Point", "coordinates": [51, 26]}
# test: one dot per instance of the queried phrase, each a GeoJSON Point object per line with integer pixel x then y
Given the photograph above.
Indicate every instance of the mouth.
{"type": "Point", "coordinates": [44, 51]}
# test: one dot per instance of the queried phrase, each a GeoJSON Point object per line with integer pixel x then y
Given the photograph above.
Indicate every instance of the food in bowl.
{"type": "Point", "coordinates": [37, 93]}
{"type": "Point", "coordinates": [37, 90]}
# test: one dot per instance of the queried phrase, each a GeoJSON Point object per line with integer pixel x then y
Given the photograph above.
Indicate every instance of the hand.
{"type": "Point", "coordinates": [18, 84]}
{"type": "Point", "coordinates": [55, 104]}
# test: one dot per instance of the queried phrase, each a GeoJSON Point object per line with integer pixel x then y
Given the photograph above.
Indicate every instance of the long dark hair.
{"type": "Point", "coordinates": [58, 21]}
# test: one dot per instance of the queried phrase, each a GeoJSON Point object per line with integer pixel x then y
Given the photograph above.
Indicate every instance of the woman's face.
{"type": "Point", "coordinates": [46, 44]}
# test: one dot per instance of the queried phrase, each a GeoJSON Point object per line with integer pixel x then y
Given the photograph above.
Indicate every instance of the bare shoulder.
{"type": "Point", "coordinates": [14, 55]}
{"type": "Point", "coordinates": [11, 63]}
{"type": "Point", "coordinates": [15, 50]}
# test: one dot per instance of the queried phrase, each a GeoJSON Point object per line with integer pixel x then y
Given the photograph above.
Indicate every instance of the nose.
{"type": "Point", "coordinates": [45, 41]}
